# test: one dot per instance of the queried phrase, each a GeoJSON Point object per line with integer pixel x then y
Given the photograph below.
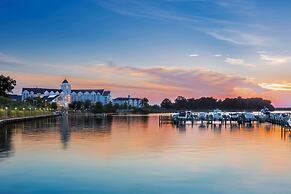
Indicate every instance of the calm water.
{"type": "Point", "coordinates": [135, 155]}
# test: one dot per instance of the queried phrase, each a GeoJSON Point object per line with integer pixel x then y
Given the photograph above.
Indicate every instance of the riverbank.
{"type": "Point", "coordinates": [27, 118]}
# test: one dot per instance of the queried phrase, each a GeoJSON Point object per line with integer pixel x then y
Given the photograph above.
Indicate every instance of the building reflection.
{"type": "Point", "coordinates": [6, 148]}
{"type": "Point", "coordinates": [129, 121]}
{"type": "Point", "coordinates": [65, 131]}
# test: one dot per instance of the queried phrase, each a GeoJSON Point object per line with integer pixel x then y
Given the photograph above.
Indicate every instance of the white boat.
{"type": "Point", "coordinates": [289, 122]}
{"type": "Point", "coordinates": [202, 116]}
{"type": "Point", "coordinates": [216, 115]}
{"type": "Point", "coordinates": [265, 111]}
{"type": "Point", "coordinates": [182, 115]}
{"type": "Point", "coordinates": [248, 116]}
{"type": "Point", "coordinates": [234, 116]}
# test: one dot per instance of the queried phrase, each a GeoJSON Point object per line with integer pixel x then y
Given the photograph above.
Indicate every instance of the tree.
{"type": "Point", "coordinates": [87, 104]}
{"type": "Point", "coordinates": [79, 105]}
{"type": "Point", "coordinates": [98, 108]}
{"type": "Point", "coordinates": [53, 105]}
{"type": "Point", "coordinates": [109, 108]}
{"type": "Point", "coordinates": [181, 103]}
{"type": "Point", "coordinates": [6, 85]}
{"type": "Point", "coordinates": [144, 102]}
{"type": "Point", "coordinates": [166, 103]}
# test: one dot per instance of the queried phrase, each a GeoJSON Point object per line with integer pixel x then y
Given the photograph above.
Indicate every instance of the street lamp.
{"type": "Point", "coordinates": [6, 113]}
{"type": "Point", "coordinates": [30, 111]}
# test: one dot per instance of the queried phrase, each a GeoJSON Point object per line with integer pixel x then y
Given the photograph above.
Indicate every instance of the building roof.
{"type": "Point", "coordinates": [123, 98]}
{"type": "Point", "coordinates": [65, 81]}
{"type": "Point", "coordinates": [51, 97]}
{"type": "Point", "coordinates": [100, 91]}
{"type": "Point", "coordinates": [40, 90]}
{"type": "Point", "coordinates": [15, 97]}
{"type": "Point", "coordinates": [106, 93]}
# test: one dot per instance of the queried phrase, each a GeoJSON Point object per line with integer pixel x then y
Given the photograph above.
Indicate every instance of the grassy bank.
{"type": "Point", "coordinates": [10, 109]}
{"type": "Point", "coordinates": [9, 113]}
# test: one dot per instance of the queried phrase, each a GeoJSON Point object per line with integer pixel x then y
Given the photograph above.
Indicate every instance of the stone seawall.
{"type": "Point", "coordinates": [19, 119]}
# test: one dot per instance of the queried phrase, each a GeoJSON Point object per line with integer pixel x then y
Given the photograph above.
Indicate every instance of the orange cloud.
{"type": "Point", "coordinates": [155, 83]}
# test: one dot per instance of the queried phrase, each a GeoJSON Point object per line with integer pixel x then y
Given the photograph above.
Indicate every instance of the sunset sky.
{"type": "Point", "coordinates": [150, 48]}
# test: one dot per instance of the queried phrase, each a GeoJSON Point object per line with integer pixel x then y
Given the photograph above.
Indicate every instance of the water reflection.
{"type": "Point", "coordinates": [65, 131]}
{"type": "Point", "coordinates": [110, 155]}
{"type": "Point", "coordinates": [6, 148]}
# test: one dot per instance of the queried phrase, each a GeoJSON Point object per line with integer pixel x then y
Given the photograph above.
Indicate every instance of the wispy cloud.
{"type": "Point", "coordinates": [193, 55]}
{"type": "Point", "coordinates": [217, 55]}
{"type": "Point", "coordinates": [276, 86]}
{"type": "Point", "coordinates": [9, 60]}
{"type": "Point", "coordinates": [236, 61]}
{"type": "Point", "coordinates": [261, 52]}
{"type": "Point", "coordinates": [229, 30]}
{"type": "Point", "coordinates": [238, 37]}
{"type": "Point", "coordinates": [276, 59]}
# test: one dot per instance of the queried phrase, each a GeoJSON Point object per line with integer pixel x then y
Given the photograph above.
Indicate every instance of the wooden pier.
{"type": "Point", "coordinates": [166, 119]}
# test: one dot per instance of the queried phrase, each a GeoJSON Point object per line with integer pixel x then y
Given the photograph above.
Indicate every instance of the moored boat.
{"type": "Point", "coordinates": [248, 117]}
{"type": "Point", "coordinates": [289, 122]}
{"type": "Point", "coordinates": [216, 115]}
{"type": "Point", "coordinates": [202, 116]}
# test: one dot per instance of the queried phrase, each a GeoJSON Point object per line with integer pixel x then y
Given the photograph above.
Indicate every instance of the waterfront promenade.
{"type": "Point", "coordinates": [26, 118]}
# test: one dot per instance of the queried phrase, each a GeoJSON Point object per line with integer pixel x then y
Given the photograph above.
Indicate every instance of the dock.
{"type": "Point", "coordinates": [273, 118]}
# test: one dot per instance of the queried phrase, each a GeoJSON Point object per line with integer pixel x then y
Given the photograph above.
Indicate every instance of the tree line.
{"type": "Point", "coordinates": [210, 103]}
{"type": "Point", "coordinates": [98, 107]}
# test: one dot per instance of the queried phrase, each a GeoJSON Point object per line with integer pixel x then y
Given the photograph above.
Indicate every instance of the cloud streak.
{"type": "Point", "coordinates": [276, 86]}
{"type": "Point", "coordinates": [275, 59]}
{"type": "Point", "coordinates": [193, 55]}
{"type": "Point", "coordinates": [238, 37]}
{"type": "Point", "coordinates": [222, 29]}
{"type": "Point", "coordinates": [8, 60]}
{"type": "Point", "coordinates": [236, 61]}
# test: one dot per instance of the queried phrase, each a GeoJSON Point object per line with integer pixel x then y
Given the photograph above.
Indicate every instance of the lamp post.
{"type": "Point", "coordinates": [30, 111]}
{"type": "Point", "coordinates": [6, 113]}
{"type": "Point", "coordinates": [23, 111]}
{"type": "Point", "coordinates": [15, 111]}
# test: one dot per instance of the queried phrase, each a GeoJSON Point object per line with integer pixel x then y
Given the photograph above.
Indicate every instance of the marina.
{"type": "Point", "coordinates": [219, 117]}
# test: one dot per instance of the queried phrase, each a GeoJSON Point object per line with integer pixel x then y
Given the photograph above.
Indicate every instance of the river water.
{"type": "Point", "coordinates": [134, 154]}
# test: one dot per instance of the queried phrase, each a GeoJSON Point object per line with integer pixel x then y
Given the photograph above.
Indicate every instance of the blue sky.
{"type": "Point", "coordinates": [238, 39]}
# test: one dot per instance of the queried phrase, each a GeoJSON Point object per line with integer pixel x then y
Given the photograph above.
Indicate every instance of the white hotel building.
{"type": "Point", "coordinates": [67, 95]}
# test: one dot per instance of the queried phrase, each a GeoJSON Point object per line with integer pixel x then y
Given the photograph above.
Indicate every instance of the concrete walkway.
{"type": "Point", "coordinates": [18, 119]}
